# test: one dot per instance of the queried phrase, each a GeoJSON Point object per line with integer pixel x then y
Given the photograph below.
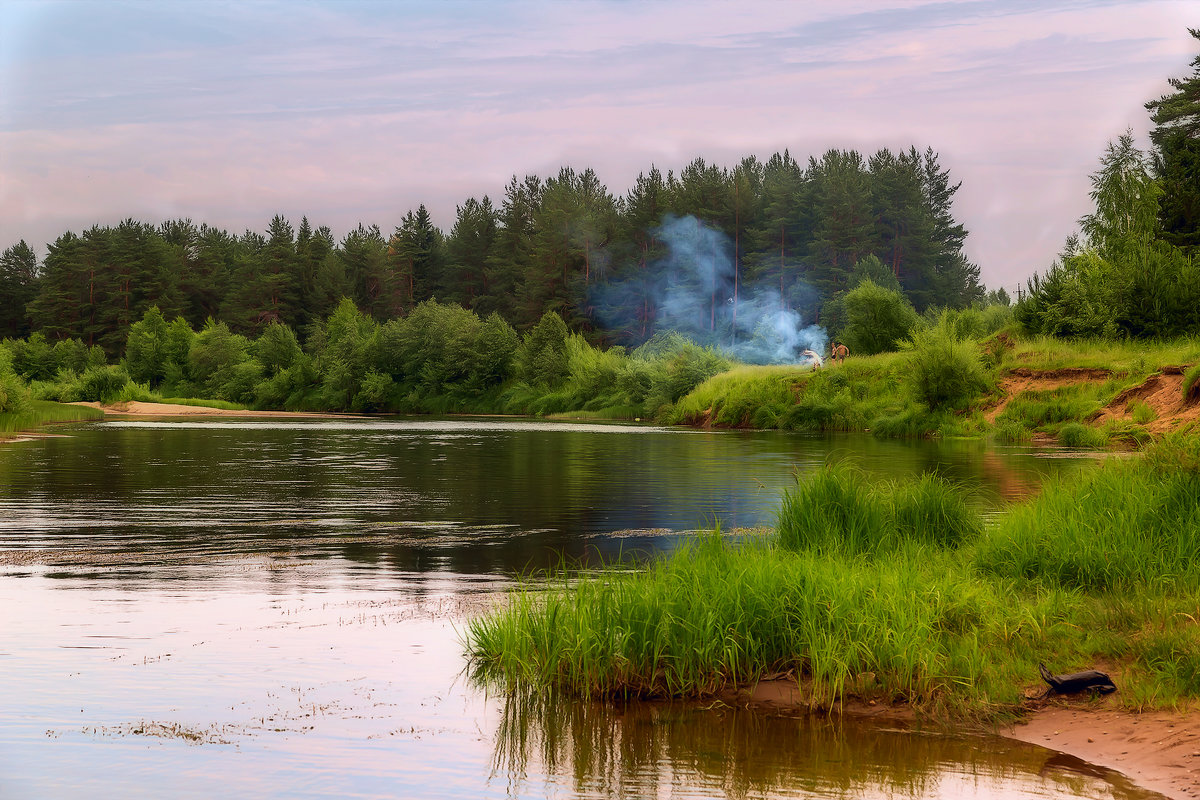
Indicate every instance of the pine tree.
{"type": "Point", "coordinates": [512, 252]}
{"type": "Point", "coordinates": [18, 287]}
{"type": "Point", "coordinates": [1176, 138]}
{"type": "Point", "coordinates": [783, 229]}
{"type": "Point", "coordinates": [844, 227]}
{"type": "Point", "coordinates": [958, 283]}
{"type": "Point", "coordinates": [905, 223]}
{"type": "Point", "coordinates": [416, 254]}
{"type": "Point", "coordinates": [467, 249]}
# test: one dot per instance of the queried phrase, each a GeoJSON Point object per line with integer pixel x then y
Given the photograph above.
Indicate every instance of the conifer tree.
{"type": "Point", "coordinates": [18, 287]}
{"type": "Point", "coordinates": [1176, 138]}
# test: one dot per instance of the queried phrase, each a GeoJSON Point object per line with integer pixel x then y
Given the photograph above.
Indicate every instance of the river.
{"type": "Point", "coordinates": [272, 608]}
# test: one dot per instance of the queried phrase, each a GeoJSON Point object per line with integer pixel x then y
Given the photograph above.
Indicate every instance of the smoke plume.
{"type": "Point", "coordinates": [696, 295]}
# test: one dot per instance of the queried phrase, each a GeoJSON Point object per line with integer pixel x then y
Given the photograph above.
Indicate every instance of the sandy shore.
{"type": "Point", "coordinates": [1156, 750]}
{"type": "Point", "coordinates": [136, 408]}
{"type": "Point", "coordinates": [1159, 751]}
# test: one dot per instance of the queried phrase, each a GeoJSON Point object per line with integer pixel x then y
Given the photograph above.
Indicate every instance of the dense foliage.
{"type": "Point", "coordinates": [439, 358]}
{"type": "Point", "coordinates": [604, 264]}
{"type": "Point", "coordinates": [1135, 272]}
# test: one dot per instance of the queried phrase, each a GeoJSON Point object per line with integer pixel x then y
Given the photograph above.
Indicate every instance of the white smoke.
{"type": "Point", "coordinates": [697, 299]}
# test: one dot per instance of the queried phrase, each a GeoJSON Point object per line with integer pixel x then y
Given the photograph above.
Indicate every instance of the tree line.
{"type": "Point", "coordinates": [563, 244]}
{"type": "Point", "coordinates": [1133, 270]}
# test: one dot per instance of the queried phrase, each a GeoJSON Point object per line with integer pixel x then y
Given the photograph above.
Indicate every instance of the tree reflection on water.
{"type": "Point", "coordinates": [628, 749]}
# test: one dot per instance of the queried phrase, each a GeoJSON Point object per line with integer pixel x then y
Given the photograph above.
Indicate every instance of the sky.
{"type": "Point", "coordinates": [232, 112]}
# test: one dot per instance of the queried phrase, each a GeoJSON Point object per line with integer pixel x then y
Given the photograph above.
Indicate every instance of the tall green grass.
{"type": "Point", "coordinates": [837, 510]}
{"type": "Point", "coordinates": [714, 616]}
{"type": "Point", "coordinates": [44, 412]}
{"type": "Point", "coordinates": [1133, 523]}
{"type": "Point", "coordinates": [897, 592]}
{"type": "Point", "coordinates": [1191, 384]}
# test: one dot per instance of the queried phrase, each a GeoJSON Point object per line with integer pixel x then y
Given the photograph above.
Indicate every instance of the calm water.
{"type": "Point", "coordinates": [271, 609]}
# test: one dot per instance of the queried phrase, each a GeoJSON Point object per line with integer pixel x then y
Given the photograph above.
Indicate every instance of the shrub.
{"type": "Point", "coordinates": [276, 348]}
{"type": "Point", "coordinates": [946, 369]}
{"type": "Point", "coordinates": [876, 319]}
{"type": "Point", "coordinates": [543, 355]}
{"type": "Point", "coordinates": [146, 348]}
{"type": "Point", "coordinates": [690, 366]}
{"type": "Point", "coordinates": [14, 395]}
{"type": "Point", "coordinates": [101, 384]}
{"type": "Point", "coordinates": [374, 393]}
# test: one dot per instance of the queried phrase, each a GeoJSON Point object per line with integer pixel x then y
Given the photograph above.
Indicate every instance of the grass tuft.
{"type": "Point", "coordinates": [896, 592]}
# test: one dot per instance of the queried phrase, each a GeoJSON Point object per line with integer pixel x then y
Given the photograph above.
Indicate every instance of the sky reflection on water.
{"type": "Point", "coordinates": [249, 612]}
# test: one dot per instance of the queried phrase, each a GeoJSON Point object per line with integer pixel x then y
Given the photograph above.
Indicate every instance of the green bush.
{"type": "Point", "coordinates": [876, 319]}
{"type": "Point", "coordinates": [101, 384]}
{"type": "Point", "coordinates": [14, 394]}
{"type": "Point", "coordinates": [146, 348]}
{"type": "Point", "coordinates": [543, 354]}
{"type": "Point", "coordinates": [946, 370]}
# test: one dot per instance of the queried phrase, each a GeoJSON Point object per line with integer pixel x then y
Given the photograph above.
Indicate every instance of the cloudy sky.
{"type": "Point", "coordinates": [230, 113]}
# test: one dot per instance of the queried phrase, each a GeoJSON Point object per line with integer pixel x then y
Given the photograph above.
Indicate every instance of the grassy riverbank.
{"type": "Point", "coordinates": [41, 412]}
{"type": "Point", "coordinates": [1084, 393]}
{"type": "Point", "coordinates": [899, 594]}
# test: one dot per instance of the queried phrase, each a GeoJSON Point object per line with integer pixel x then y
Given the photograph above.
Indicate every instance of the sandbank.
{"type": "Point", "coordinates": [1156, 750]}
{"type": "Point", "coordinates": [137, 408]}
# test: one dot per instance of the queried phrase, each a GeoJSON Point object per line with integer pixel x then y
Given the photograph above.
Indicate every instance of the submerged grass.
{"type": "Point", "coordinates": [44, 412]}
{"type": "Point", "coordinates": [898, 593]}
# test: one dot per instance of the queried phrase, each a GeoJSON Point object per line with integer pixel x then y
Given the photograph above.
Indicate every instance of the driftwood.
{"type": "Point", "coordinates": [1092, 680]}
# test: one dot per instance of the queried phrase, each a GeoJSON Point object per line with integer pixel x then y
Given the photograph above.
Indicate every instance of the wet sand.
{"type": "Point", "coordinates": [1157, 750]}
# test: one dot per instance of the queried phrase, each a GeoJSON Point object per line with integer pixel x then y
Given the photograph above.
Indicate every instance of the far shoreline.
{"type": "Point", "coordinates": [138, 408]}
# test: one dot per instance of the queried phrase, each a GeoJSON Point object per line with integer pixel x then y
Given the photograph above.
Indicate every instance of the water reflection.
{"type": "Point", "coordinates": [489, 497]}
{"type": "Point", "coordinates": [654, 750]}
{"type": "Point", "coordinates": [282, 588]}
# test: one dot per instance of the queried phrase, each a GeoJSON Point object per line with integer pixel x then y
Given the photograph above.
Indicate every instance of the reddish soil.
{"type": "Point", "coordinates": [1162, 392]}
{"type": "Point", "coordinates": [1024, 379]}
{"type": "Point", "coordinates": [1155, 750]}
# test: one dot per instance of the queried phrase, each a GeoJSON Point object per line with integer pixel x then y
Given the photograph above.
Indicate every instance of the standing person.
{"type": "Point", "coordinates": [813, 358]}
{"type": "Point", "coordinates": [840, 351]}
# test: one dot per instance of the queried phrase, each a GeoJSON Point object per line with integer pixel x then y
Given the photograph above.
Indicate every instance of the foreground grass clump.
{"type": "Point", "coordinates": [897, 592]}
{"type": "Point", "coordinates": [715, 615]}
{"type": "Point", "coordinates": [1131, 524]}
